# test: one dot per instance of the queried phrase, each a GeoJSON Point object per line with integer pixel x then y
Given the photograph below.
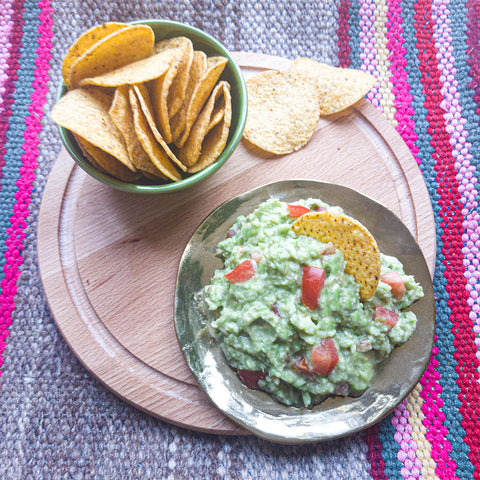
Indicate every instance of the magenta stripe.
{"type": "Point", "coordinates": [10, 41]}
{"type": "Point", "coordinates": [432, 408]}
{"type": "Point", "coordinates": [401, 88]}
{"type": "Point", "coordinates": [18, 220]}
{"type": "Point", "coordinates": [374, 454]}
{"type": "Point", "coordinates": [342, 34]}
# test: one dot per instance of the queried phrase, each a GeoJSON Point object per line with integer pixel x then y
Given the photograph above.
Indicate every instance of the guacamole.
{"type": "Point", "coordinates": [289, 319]}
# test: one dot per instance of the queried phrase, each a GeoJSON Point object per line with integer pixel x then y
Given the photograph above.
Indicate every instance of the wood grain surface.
{"type": "Point", "coordinates": [109, 259]}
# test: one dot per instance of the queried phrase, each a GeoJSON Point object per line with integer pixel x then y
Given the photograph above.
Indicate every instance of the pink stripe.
{"type": "Point", "coordinates": [367, 45]}
{"type": "Point", "coordinates": [6, 29]}
{"type": "Point", "coordinates": [404, 112]}
{"type": "Point", "coordinates": [18, 220]}
{"type": "Point", "coordinates": [407, 454]}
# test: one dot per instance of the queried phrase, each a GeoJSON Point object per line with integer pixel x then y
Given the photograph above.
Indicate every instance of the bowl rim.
{"type": "Point", "coordinates": [241, 88]}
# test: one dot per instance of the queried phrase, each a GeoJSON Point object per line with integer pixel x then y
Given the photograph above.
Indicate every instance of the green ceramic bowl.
{"type": "Point", "coordinates": [232, 73]}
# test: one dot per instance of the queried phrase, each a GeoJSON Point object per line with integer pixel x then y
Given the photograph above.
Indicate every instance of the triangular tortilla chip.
{"type": "Point", "coordinates": [140, 71]}
{"type": "Point", "coordinates": [215, 67]}
{"type": "Point", "coordinates": [337, 88]}
{"type": "Point", "coordinates": [148, 141]}
{"type": "Point", "coordinates": [133, 43]}
{"type": "Point", "coordinates": [190, 152]}
{"type": "Point", "coordinates": [216, 139]}
{"type": "Point", "coordinates": [83, 43]}
{"type": "Point", "coordinates": [174, 88]}
{"type": "Point", "coordinates": [84, 111]}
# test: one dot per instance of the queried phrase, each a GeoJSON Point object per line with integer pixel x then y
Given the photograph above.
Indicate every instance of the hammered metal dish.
{"type": "Point", "coordinates": [256, 410]}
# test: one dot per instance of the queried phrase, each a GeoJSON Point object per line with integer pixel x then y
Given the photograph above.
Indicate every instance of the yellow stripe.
{"type": "Point", "coordinates": [383, 67]}
{"type": "Point", "coordinates": [424, 448]}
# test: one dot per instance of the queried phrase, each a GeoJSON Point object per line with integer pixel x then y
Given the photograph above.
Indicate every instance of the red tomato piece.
{"type": "Point", "coordinates": [386, 316]}
{"type": "Point", "coordinates": [324, 357]}
{"type": "Point", "coordinates": [257, 256]}
{"type": "Point", "coordinates": [230, 233]}
{"type": "Point", "coordinates": [364, 345]}
{"type": "Point", "coordinates": [242, 272]}
{"type": "Point", "coordinates": [297, 210]}
{"type": "Point", "coordinates": [275, 310]}
{"type": "Point", "coordinates": [313, 279]}
{"type": "Point", "coordinates": [301, 367]}
{"type": "Point", "coordinates": [396, 284]}
{"type": "Point", "coordinates": [250, 378]}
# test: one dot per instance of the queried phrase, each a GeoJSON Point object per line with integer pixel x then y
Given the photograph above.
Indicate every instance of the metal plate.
{"type": "Point", "coordinates": [256, 410]}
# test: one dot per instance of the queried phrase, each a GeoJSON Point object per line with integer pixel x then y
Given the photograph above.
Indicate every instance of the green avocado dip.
{"type": "Point", "coordinates": [289, 319]}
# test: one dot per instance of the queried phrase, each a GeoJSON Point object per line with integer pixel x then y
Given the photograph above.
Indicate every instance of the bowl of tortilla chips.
{"type": "Point", "coordinates": [151, 106]}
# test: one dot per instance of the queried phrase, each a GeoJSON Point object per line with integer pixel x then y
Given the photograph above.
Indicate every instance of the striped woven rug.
{"type": "Point", "coordinates": [58, 422]}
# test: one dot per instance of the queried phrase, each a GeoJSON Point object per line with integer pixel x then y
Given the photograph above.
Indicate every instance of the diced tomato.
{"type": "Point", "coordinates": [275, 310]}
{"type": "Point", "coordinates": [364, 345]}
{"type": "Point", "coordinates": [396, 284]}
{"type": "Point", "coordinates": [250, 378]}
{"type": "Point", "coordinates": [257, 256]}
{"type": "Point", "coordinates": [313, 279]}
{"type": "Point", "coordinates": [301, 367]}
{"type": "Point", "coordinates": [318, 208]}
{"type": "Point", "coordinates": [297, 210]}
{"type": "Point", "coordinates": [230, 233]}
{"type": "Point", "coordinates": [324, 357]}
{"type": "Point", "coordinates": [342, 389]}
{"type": "Point", "coordinates": [242, 272]}
{"type": "Point", "coordinates": [386, 316]}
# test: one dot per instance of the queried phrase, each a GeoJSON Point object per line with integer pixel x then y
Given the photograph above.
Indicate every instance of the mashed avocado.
{"type": "Point", "coordinates": [270, 331]}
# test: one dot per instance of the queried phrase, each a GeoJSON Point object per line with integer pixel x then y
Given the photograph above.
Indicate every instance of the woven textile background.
{"type": "Point", "coordinates": [58, 422]}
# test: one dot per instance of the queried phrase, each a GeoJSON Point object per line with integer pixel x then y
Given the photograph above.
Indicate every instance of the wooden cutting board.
{"type": "Point", "coordinates": [108, 259]}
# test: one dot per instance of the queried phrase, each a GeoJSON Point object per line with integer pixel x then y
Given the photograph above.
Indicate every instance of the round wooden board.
{"type": "Point", "coordinates": [109, 259]}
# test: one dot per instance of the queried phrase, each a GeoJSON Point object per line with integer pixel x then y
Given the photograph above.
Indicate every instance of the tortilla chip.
{"type": "Point", "coordinates": [131, 43]}
{"type": "Point", "coordinates": [140, 71]}
{"type": "Point", "coordinates": [146, 106]}
{"type": "Point", "coordinates": [216, 139]}
{"type": "Point", "coordinates": [215, 67]}
{"type": "Point", "coordinates": [84, 111]}
{"type": "Point", "coordinates": [337, 88]}
{"type": "Point", "coordinates": [159, 89]}
{"type": "Point", "coordinates": [148, 141]}
{"type": "Point", "coordinates": [156, 178]}
{"type": "Point", "coordinates": [217, 115]}
{"type": "Point", "coordinates": [360, 249]}
{"type": "Point", "coordinates": [83, 43]}
{"type": "Point", "coordinates": [105, 162]}
{"type": "Point", "coordinates": [190, 151]}
{"type": "Point", "coordinates": [122, 116]}
{"type": "Point", "coordinates": [197, 70]}
{"type": "Point", "coordinates": [87, 155]}
{"type": "Point", "coordinates": [176, 86]}
{"type": "Point", "coordinates": [282, 112]}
